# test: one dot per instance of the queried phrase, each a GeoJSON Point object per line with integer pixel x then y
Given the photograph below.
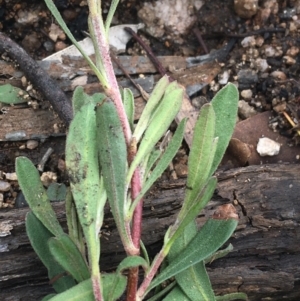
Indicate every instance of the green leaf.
{"type": "Point", "coordinates": [12, 95]}
{"type": "Point", "coordinates": [176, 295]}
{"type": "Point", "coordinates": [232, 296]}
{"type": "Point", "coordinates": [80, 98]}
{"type": "Point", "coordinates": [131, 262]}
{"type": "Point", "coordinates": [191, 213]}
{"type": "Point", "coordinates": [87, 188]}
{"type": "Point", "coordinates": [195, 283]}
{"type": "Point", "coordinates": [163, 163]}
{"type": "Point", "coordinates": [128, 100]}
{"type": "Point", "coordinates": [51, 6]}
{"type": "Point", "coordinates": [194, 280]}
{"type": "Point", "coordinates": [158, 125]}
{"type": "Point", "coordinates": [225, 104]}
{"type": "Point", "coordinates": [57, 192]}
{"type": "Point", "coordinates": [111, 12]}
{"type": "Point", "coordinates": [74, 227]}
{"type": "Point", "coordinates": [80, 292]}
{"type": "Point", "coordinates": [208, 240]}
{"type": "Point", "coordinates": [69, 257]}
{"type": "Point", "coordinates": [39, 235]}
{"type": "Point", "coordinates": [201, 155]}
{"type": "Point", "coordinates": [150, 107]}
{"type": "Point", "coordinates": [36, 196]}
{"type": "Point", "coordinates": [114, 285]}
{"type": "Point", "coordinates": [153, 157]}
{"type": "Point", "coordinates": [113, 161]}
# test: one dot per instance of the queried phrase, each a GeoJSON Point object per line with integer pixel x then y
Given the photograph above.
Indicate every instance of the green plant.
{"type": "Point", "coordinates": [110, 158]}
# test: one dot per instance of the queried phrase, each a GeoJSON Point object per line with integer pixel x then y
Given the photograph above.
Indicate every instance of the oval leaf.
{"type": "Point", "coordinates": [69, 257]}
{"type": "Point", "coordinates": [36, 196]}
{"type": "Point", "coordinates": [201, 247]}
{"type": "Point", "coordinates": [225, 104]}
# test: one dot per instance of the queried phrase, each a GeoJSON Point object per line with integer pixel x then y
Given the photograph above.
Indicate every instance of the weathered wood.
{"type": "Point", "coordinates": [265, 262]}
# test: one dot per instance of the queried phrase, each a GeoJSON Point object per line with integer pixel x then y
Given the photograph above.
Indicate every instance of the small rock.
{"type": "Point", "coordinates": [261, 65]}
{"type": "Point", "coordinates": [248, 41]}
{"type": "Point", "coordinates": [28, 17]}
{"type": "Point", "coordinates": [245, 8]}
{"type": "Point", "coordinates": [293, 51]}
{"type": "Point", "coordinates": [56, 32]}
{"type": "Point", "coordinates": [69, 14]}
{"type": "Point", "coordinates": [270, 51]}
{"type": "Point", "coordinates": [278, 75]}
{"type": "Point", "coordinates": [223, 78]}
{"type": "Point", "coordinates": [49, 46]}
{"type": "Point", "coordinates": [267, 147]}
{"type": "Point", "coordinates": [174, 17]}
{"type": "Point", "coordinates": [246, 78]}
{"type": "Point", "coordinates": [247, 94]}
{"type": "Point", "coordinates": [4, 186]}
{"type": "Point", "coordinates": [11, 176]}
{"type": "Point", "coordinates": [289, 60]}
{"type": "Point", "coordinates": [32, 144]}
{"type": "Point", "coordinates": [60, 46]}
{"type": "Point", "coordinates": [245, 110]}
{"type": "Point", "coordinates": [48, 177]}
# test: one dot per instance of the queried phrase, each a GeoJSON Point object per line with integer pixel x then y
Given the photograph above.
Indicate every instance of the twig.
{"type": "Point", "coordinates": [160, 68]}
{"type": "Point", "coordinates": [39, 78]}
{"type": "Point", "coordinates": [197, 33]}
{"type": "Point", "coordinates": [118, 63]}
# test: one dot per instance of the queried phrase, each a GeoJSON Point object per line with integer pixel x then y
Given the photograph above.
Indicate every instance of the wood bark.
{"type": "Point", "coordinates": [265, 262]}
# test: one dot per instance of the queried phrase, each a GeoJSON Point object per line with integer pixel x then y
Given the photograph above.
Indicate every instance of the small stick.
{"type": "Point", "coordinates": [45, 158]}
{"type": "Point", "coordinates": [160, 68]}
{"type": "Point", "coordinates": [197, 33]}
{"type": "Point", "coordinates": [39, 78]}
{"type": "Point", "coordinates": [118, 63]}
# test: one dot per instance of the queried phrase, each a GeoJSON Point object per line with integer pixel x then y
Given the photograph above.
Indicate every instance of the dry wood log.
{"type": "Point", "coordinates": [265, 262]}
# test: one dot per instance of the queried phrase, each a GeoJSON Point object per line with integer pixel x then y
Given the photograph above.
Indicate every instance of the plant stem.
{"type": "Point", "coordinates": [136, 234]}
{"type": "Point", "coordinates": [112, 88]}
{"type": "Point", "coordinates": [142, 291]}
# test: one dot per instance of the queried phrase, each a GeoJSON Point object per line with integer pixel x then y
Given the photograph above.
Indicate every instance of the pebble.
{"type": "Point", "coordinates": [27, 17]}
{"type": "Point", "coordinates": [174, 17]}
{"type": "Point", "coordinates": [11, 176]}
{"type": "Point", "coordinates": [289, 60]}
{"type": "Point", "coordinates": [223, 78]}
{"type": "Point", "coordinates": [245, 8]}
{"type": "Point", "coordinates": [278, 75]}
{"type": "Point", "coordinates": [60, 46]}
{"type": "Point", "coordinates": [48, 177]}
{"type": "Point", "coordinates": [267, 147]}
{"type": "Point", "coordinates": [245, 110]}
{"type": "Point", "coordinates": [247, 94]}
{"type": "Point", "coordinates": [55, 32]}
{"type": "Point", "coordinates": [261, 65]}
{"type": "Point", "coordinates": [293, 51]}
{"type": "Point", "coordinates": [246, 78]}
{"type": "Point", "coordinates": [49, 46]}
{"type": "Point", "coordinates": [248, 42]}
{"type": "Point", "coordinates": [4, 186]}
{"type": "Point", "coordinates": [32, 144]}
